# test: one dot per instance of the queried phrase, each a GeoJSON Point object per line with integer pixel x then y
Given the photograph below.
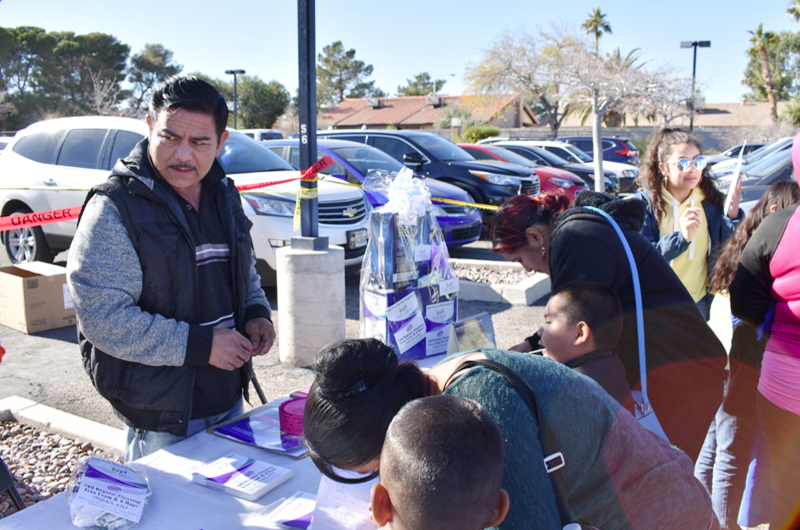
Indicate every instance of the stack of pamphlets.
{"type": "Point", "coordinates": [241, 477]}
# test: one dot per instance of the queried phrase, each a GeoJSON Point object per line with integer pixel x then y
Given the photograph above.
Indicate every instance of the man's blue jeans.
{"type": "Point", "coordinates": [723, 463]}
{"type": "Point", "coordinates": [142, 443]}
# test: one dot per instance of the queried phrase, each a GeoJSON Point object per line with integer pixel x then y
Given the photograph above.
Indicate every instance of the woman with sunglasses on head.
{"type": "Point", "coordinates": [684, 217]}
{"type": "Point", "coordinates": [616, 475]}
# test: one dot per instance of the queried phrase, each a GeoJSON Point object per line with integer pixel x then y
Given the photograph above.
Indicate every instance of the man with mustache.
{"type": "Point", "coordinates": [162, 272]}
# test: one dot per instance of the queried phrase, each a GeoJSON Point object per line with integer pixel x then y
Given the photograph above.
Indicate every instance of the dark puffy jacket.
{"type": "Point", "coordinates": [685, 360]}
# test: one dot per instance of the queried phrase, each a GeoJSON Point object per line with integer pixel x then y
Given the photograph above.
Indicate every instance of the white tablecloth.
{"type": "Point", "coordinates": [177, 503]}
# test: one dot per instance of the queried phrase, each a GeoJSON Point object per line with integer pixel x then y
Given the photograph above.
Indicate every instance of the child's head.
{"type": "Point", "coordinates": [580, 317]}
{"type": "Point", "coordinates": [441, 467]}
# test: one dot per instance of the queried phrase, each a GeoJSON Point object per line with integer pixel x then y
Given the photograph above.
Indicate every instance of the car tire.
{"type": "Point", "coordinates": [24, 245]}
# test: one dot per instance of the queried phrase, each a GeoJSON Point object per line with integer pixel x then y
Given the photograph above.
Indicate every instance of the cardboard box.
{"type": "Point", "coordinates": [34, 297]}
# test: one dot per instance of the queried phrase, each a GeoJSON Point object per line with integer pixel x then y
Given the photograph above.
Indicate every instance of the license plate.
{"type": "Point", "coordinates": [357, 238]}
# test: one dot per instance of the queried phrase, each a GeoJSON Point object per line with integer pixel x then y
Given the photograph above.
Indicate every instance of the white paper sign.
{"type": "Point", "coordinates": [343, 506]}
{"type": "Point", "coordinates": [411, 333]}
{"type": "Point", "coordinates": [112, 488]}
{"type": "Point", "coordinates": [403, 309]}
{"type": "Point", "coordinates": [442, 312]}
{"type": "Point", "coordinates": [375, 328]}
{"type": "Point", "coordinates": [422, 253]}
{"type": "Point", "coordinates": [376, 303]}
{"type": "Point", "coordinates": [447, 287]}
{"type": "Point", "coordinates": [436, 341]}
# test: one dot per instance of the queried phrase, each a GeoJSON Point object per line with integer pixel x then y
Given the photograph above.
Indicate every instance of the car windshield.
{"type": "Point", "coordinates": [582, 156]}
{"type": "Point", "coordinates": [441, 149]}
{"type": "Point", "coordinates": [762, 152]}
{"type": "Point", "coordinates": [241, 154]}
{"type": "Point", "coordinates": [510, 156]}
{"type": "Point", "coordinates": [366, 159]}
{"type": "Point", "coordinates": [769, 165]}
{"type": "Point", "coordinates": [551, 159]}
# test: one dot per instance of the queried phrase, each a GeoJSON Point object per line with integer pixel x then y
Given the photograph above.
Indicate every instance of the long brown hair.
{"type": "Point", "coordinates": [659, 150]}
{"type": "Point", "coordinates": [780, 194]}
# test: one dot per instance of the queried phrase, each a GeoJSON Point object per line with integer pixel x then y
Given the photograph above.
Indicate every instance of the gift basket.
{"type": "Point", "coordinates": [409, 294]}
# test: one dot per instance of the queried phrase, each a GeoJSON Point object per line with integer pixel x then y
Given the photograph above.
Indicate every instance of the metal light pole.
{"type": "Point", "coordinates": [695, 45]}
{"type": "Point", "coordinates": [235, 96]}
{"type": "Point", "coordinates": [309, 212]}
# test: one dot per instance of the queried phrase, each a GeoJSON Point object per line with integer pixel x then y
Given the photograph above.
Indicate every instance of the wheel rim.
{"type": "Point", "coordinates": [22, 244]}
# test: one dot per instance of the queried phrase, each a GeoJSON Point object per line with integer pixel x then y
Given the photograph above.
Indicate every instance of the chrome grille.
{"type": "Point", "coordinates": [346, 212]}
{"type": "Point", "coordinates": [529, 188]}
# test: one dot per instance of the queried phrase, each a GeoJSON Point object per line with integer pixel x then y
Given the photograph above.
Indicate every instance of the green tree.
{"type": "Point", "coordinates": [458, 111]}
{"type": "Point", "coordinates": [794, 10]}
{"type": "Point", "coordinates": [784, 64]}
{"type": "Point", "coordinates": [596, 25]}
{"type": "Point", "coordinates": [149, 67]}
{"type": "Point", "coordinates": [534, 63]}
{"type": "Point", "coordinates": [340, 75]}
{"type": "Point", "coordinates": [421, 85]}
{"type": "Point", "coordinates": [760, 40]}
{"type": "Point", "coordinates": [260, 103]}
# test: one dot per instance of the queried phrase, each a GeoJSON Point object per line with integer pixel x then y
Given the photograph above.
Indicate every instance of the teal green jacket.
{"type": "Point", "coordinates": [618, 475]}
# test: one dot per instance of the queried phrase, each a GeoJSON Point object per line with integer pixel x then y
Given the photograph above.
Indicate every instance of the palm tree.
{"type": "Point", "coordinates": [761, 40]}
{"type": "Point", "coordinates": [596, 24]}
{"type": "Point", "coordinates": [794, 10]}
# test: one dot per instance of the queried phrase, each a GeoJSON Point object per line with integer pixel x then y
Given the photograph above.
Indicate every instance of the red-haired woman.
{"type": "Point", "coordinates": [685, 360]}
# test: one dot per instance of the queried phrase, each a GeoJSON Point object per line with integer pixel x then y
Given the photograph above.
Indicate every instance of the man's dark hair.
{"type": "Point", "coordinates": [189, 93]}
{"type": "Point", "coordinates": [442, 463]}
{"type": "Point", "coordinates": [598, 306]}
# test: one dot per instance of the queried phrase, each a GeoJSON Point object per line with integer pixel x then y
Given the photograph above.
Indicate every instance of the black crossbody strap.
{"type": "Point", "coordinates": [554, 459]}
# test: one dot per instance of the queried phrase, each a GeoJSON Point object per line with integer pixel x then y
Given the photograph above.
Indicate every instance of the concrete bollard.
{"type": "Point", "coordinates": [311, 302]}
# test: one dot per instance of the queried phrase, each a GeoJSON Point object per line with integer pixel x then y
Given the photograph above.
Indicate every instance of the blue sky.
{"type": "Point", "coordinates": [401, 39]}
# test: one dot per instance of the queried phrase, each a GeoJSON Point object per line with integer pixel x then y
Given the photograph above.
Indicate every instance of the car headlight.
{"type": "Point", "coordinates": [564, 183]}
{"type": "Point", "coordinates": [268, 205]}
{"type": "Point", "coordinates": [497, 178]}
{"type": "Point", "coordinates": [630, 173]}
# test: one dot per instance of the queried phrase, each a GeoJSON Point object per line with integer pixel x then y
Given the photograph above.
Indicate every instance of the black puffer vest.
{"type": "Point", "coordinates": [159, 398]}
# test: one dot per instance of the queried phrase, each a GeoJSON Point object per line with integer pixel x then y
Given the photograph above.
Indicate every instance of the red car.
{"type": "Point", "coordinates": [552, 179]}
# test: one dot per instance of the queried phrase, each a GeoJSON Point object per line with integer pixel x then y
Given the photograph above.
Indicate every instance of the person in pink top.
{"type": "Point", "coordinates": [766, 293]}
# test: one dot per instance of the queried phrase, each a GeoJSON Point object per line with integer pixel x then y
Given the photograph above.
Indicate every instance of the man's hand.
{"type": "Point", "coordinates": [262, 335]}
{"type": "Point", "coordinates": [690, 222]}
{"type": "Point", "coordinates": [229, 349]}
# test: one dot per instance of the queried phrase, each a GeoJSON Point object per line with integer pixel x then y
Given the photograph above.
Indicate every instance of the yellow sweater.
{"type": "Point", "coordinates": [691, 266]}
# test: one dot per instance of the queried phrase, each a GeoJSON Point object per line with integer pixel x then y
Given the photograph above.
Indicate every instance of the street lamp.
{"type": "Point", "coordinates": [440, 78]}
{"type": "Point", "coordinates": [235, 102]}
{"type": "Point", "coordinates": [695, 45]}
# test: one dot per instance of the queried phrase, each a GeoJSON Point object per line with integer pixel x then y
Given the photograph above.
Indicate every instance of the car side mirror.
{"type": "Point", "coordinates": [415, 159]}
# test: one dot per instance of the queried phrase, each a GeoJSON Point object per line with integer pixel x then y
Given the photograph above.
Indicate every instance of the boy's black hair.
{"type": "Point", "coordinates": [598, 306]}
{"type": "Point", "coordinates": [442, 463]}
{"type": "Point", "coordinates": [189, 93]}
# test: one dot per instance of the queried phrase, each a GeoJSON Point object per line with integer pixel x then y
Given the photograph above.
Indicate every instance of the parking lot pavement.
{"type": "Point", "coordinates": [47, 367]}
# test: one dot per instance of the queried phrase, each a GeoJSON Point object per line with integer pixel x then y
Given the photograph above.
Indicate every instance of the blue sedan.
{"type": "Point", "coordinates": [353, 161]}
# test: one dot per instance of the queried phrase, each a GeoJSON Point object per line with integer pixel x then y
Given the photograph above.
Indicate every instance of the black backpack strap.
{"type": "Point", "coordinates": [554, 459]}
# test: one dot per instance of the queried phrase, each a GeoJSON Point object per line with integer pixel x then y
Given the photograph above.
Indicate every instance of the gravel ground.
{"type": "Point", "coordinates": [41, 461]}
{"type": "Point", "coordinates": [490, 275]}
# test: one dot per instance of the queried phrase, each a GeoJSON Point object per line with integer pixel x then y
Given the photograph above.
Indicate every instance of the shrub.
{"type": "Point", "coordinates": [477, 133]}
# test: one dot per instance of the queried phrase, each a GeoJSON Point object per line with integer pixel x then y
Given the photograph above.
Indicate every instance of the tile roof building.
{"type": "Point", "coordinates": [421, 112]}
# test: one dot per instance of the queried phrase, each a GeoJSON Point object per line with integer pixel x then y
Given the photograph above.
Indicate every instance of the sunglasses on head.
{"type": "Point", "coordinates": [684, 164]}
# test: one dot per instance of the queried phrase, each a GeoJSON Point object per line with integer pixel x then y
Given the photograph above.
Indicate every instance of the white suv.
{"type": "Point", "coordinates": [52, 165]}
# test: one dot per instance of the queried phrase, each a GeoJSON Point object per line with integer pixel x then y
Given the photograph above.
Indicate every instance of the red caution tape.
{"type": "Point", "coordinates": [27, 220]}
{"type": "Point", "coordinates": [245, 187]}
{"type": "Point", "coordinates": [321, 164]}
